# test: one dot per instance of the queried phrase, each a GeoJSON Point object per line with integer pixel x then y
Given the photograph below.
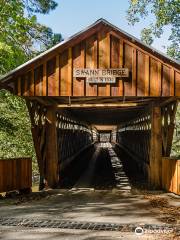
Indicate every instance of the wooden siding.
{"type": "Point", "coordinates": [15, 174]}
{"type": "Point", "coordinates": [53, 76]}
{"type": "Point", "coordinates": [171, 175]}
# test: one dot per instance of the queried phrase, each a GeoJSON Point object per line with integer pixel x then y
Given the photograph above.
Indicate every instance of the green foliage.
{"type": "Point", "coordinates": [15, 128]}
{"type": "Point", "coordinates": [40, 6]}
{"type": "Point", "coordinates": [20, 36]}
{"type": "Point", "coordinates": [166, 13]}
{"type": "Point", "coordinates": [176, 138]}
{"type": "Point", "coordinates": [146, 36]}
{"type": "Point", "coordinates": [20, 33]}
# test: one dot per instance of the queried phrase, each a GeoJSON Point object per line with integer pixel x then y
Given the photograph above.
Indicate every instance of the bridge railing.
{"type": "Point", "coordinates": [15, 174]}
{"type": "Point", "coordinates": [135, 137]}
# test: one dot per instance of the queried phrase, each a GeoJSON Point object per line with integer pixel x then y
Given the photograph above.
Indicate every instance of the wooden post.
{"type": "Point", "coordinates": [51, 148]}
{"type": "Point", "coordinates": [155, 170]}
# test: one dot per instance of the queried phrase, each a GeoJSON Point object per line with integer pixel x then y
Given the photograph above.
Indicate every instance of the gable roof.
{"type": "Point", "coordinates": [99, 21]}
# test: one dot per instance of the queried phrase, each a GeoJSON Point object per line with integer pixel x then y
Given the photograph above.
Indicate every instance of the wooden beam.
{"type": "Point", "coordinates": [167, 101]}
{"type": "Point", "coordinates": [51, 148]}
{"type": "Point", "coordinates": [41, 100]}
{"type": "Point", "coordinates": [155, 170]}
{"type": "Point", "coordinates": [88, 105]}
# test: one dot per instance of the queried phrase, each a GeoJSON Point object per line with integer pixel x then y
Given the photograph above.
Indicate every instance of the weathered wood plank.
{"type": "Point", "coordinates": [70, 73]}
{"type": "Point", "coordinates": [134, 72]}
{"type": "Point", "coordinates": [51, 148]}
{"type": "Point", "coordinates": [177, 86]}
{"type": "Point", "coordinates": [38, 78]}
{"type": "Point", "coordinates": [44, 80]}
{"type": "Point", "coordinates": [104, 59]}
{"type": "Point", "coordinates": [31, 87]}
{"type": "Point", "coordinates": [15, 174]}
{"type": "Point", "coordinates": [140, 74]}
{"type": "Point", "coordinates": [156, 149]}
{"type": "Point", "coordinates": [165, 81]}
{"type": "Point", "coordinates": [64, 85]}
{"type": "Point", "coordinates": [91, 62]}
{"type": "Point", "coordinates": [128, 58]}
{"type": "Point", "coordinates": [146, 77]}
{"type": "Point", "coordinates": [78, 55]}
{"type": "Point", "coordinates": [116, 62]}
{"type": "Point", "coordinates": [52, 81]}
{"type": "Point", "coordinates": [172, 82]}
{"type": "Point", "coordinates": [171, 175]}
{"type": "Point", "coordinates": [155, 80]}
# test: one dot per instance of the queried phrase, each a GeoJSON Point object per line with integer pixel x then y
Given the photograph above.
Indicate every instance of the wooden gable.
{"type": "Point", "coordinates": [100, 46]}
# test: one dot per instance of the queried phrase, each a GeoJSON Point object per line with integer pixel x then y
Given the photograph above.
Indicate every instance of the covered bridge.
{"type": "Point", "coordinates": [100, 80]}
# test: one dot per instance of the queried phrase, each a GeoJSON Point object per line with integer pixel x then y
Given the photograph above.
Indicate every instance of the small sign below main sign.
{"type": "Point", "coordinates": [101, 80]}
{"type": "Point", "coordinates": [108, 75]}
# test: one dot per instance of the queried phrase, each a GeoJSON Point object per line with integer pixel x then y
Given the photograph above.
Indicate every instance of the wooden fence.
{"type": "Point", "coordinates": [15, 174]}
{"type": "Point", "coordinates": [171, 175]}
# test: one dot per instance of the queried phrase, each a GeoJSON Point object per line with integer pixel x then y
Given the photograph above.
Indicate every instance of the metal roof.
{"type": "Point", "coordinates": [101, 20]}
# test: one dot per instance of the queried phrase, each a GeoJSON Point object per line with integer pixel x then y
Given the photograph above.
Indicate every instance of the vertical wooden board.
{"type": "Point", "coordinates": [134, 72]}
{"type": "Point", "coordinates": [146, 77]}
{"type": "Point", "coordinates": [171, 165]}
{"type": "Point", "coordinates": [165, 81]}
{"type": "Point", "coordinates": [156, 148]}
{"type": "Point", "coordinates": [57, 77]}
{"type": "Point", "coordinates": [23, 85]}
{"type": "Point", "coordinates": [104, 59]}
{"type": "Point", "coordinates": [155, 79]}
{"type": "Point", "coordinates": [30, 172]}
{"type": "Point", "coordinates": [78, 62]}
{"type": "Point", "coordinates": [178, 177]}
{"type": "Point", "coordinates": [140, 73]}
{"type": "Point", "coordinates": [167, 174]}
{"type": "Point", "coordinates": [70, 72]}
{"type": "Point", "coordinates": [63, 73]}
{"type": "Point", "coordinates": [177, 84]}
{"type": "Point", "coordinates": [128, 58]}
{"type": "Point", "coordinates": [31, 86]}
{"type": "Point", "coordinates": [38, 79]}
{"type": "Point", "coordinates": [1, 175]}
{"type": "Point", "coordinates": [52, 84]}
{"type": "Point", "coordinates": [44, 80]}
{"type": "Point", "coordinates": [162, 174]}
{"type": "Point", "coordinates": [66, 72]}
{"type": "Point", "coordinates": [175, 177]}
{"type": "Point", "coordinates": [19, 86]}
{"type": "Point", "coordinates": [27, 80]}
{"type": "Point", "coordinates": [91, 62]}
{"type": "Point", "coordinates": [117, 88]}
{"type": "Point", "coordinates": [172, 82]}
{"type": "Point", "coordinates": [51, 148]}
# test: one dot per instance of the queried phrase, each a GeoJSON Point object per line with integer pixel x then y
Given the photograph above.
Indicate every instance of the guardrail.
{"type": "Point", "coordinates": [15, 174]}
{"type": "Point", "coordinates": [171, 174]}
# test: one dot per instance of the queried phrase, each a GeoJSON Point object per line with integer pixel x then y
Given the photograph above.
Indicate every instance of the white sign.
{"type": "Point", "coordinates": [108, 75]}
{"type": "Point", "coordinates": [100, 79]}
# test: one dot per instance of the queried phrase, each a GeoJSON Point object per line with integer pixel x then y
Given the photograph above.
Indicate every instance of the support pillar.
{"type": "Point", "coordinates": [155, 168]}
{"type": "Point", "coordinates": [51, 148]}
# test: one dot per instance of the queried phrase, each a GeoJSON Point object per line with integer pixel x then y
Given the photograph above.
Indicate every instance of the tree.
{"type": "Point", "coordinates": [166, 13]}
{"type": "Point", "coordinates": [20, 33]}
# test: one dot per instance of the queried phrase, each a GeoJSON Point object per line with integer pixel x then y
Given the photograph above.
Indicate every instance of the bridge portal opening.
{"type": "Point", "coordinates": [108, 150]}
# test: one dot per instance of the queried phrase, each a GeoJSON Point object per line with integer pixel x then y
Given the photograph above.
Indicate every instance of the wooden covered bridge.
{"type": "Point", "coordinates": [101, 80]}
